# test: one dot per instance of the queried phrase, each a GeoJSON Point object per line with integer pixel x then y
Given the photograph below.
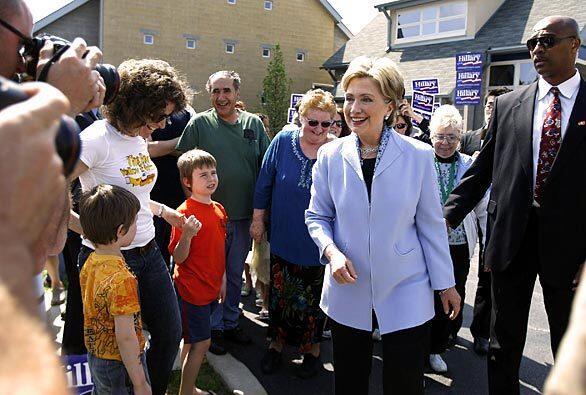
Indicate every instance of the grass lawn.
{"type": "Point", "coordinates": [207, 380]}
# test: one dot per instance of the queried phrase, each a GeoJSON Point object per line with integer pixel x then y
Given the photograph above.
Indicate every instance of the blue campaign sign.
{"type": "Point", "coordinates": [424, 115]}
{"type": "Point", "coordinates": [469, 60]}
{"type": "Point", "coordinates": [290, 115]}
{"type": "Point", "coordinates": [468, 78]}
{"type": "Point", "coordinates": [466, 96]}
{"type": "Point", "coordinates": [295, 97]}
{"type": "Point", "coordinates": [78, 375]}
{"type": "Point", "coordinates": [426, 85]}
{"type": "Point", "coordinates": [422, 101]}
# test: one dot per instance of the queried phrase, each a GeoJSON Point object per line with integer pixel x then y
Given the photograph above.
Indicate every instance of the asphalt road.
{"type": "Point", "coordinates": [467, 371]}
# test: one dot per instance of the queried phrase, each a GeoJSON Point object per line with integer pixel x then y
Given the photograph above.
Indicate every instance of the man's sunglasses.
{"type": "Point", "coordinates": [546, 42]}
{"type": "Point", "coordinates": [25, 41]}
{"type": "Point", "coordinates": [400, 125]}
{"type": "Point", "coordinates": [313, 123]}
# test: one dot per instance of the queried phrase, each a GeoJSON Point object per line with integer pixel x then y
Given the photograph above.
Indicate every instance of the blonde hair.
{"type": "Point", "coordinates": [317, 99]}
{"type": "Point", "coordinates": [194, 159]}
{"type": "Point", "coordinates": [446, 116]}
{"type": "Point", "coordinates": [383, 71]}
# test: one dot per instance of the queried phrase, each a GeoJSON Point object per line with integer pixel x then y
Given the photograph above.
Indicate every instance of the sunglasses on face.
{"type": "Point", "coordinates": [161, 118]}
{"type": "Point", "coordinates": [313, 123]}
{"type": "Point", "coordinates": [24, 40]}
{"type": "Point", "coordinates": [546, 42]}
{"type": "Point", "coordinates": [400, 125]}
{"type": "Point", "coordinates": [337, 123]}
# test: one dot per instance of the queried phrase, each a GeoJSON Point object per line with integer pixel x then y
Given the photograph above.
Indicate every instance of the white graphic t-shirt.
{"type": "Point", "coordinates": [117, 159]}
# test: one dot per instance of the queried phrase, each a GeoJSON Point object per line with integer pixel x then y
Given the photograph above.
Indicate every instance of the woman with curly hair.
{"type": "Point", "coordinates": [296, 274]}
{"type": "Point", "coordinates": [115, 152]}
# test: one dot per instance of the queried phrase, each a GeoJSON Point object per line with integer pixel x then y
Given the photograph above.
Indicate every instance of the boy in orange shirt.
{"type": "Point", "coordinates": [111, 323]}
{"type": "Point", "coordinates": [198, 251]}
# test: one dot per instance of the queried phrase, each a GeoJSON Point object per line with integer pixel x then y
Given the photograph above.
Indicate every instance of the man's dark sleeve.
{"type": "Point", "coordinates": [476, 180]}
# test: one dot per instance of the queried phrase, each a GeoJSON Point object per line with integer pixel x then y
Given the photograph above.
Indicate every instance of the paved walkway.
{"type": "Point", "coordinates": [467, 371]}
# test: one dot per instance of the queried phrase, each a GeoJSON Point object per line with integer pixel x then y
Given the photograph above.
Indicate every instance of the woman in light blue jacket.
{"type": "Point", "coordinates": [376, 217]}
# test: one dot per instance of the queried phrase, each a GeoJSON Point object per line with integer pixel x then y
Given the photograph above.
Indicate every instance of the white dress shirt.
{"type": "Point", "coordinates": [568, 93]}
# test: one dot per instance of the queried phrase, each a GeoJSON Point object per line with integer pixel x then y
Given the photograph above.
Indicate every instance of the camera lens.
{"type": "Point", "coordinates": [111, 79]}
{"type": "Point", "coordinates": [67, 141]}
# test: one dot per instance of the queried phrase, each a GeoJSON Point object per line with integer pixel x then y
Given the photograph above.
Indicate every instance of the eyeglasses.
{"type": "Point", "coordinates": [162, 117]}
{"type": "Point", "coordinates": [313, 123]}
{"type": "Point", "coordinates": [445, 137]}
{"type": "Point", "coordinates": [400, 125]}
{"type": "Point", "coordinates": [546, 42]}
{"type": "Point", "coordinates": [337, 123]}
{"type": "Point", "coordinates": [24, 40]}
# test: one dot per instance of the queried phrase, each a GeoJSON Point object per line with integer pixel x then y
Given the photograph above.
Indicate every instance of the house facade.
{"type": "Point", "coordinates": [202, 36]}
{"type": "Point", "coordinates": [424, 37]}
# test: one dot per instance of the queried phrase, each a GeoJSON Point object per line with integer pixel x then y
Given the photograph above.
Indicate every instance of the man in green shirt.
{"type": "Point", "coordinates": [238, 142]}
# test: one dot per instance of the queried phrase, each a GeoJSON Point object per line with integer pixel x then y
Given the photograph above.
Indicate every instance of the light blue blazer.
{"type": "Point", "coordinates": [397, 243]}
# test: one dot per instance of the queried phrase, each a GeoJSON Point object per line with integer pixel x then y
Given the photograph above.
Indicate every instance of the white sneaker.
{"type": "Point", "coordinates": [437, 364]}
{"type": "Point", "coordinates": [376, 335]}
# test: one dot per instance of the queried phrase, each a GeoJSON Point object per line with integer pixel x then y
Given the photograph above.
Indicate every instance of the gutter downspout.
{"type": "Point", "coordinates": [389, 30]}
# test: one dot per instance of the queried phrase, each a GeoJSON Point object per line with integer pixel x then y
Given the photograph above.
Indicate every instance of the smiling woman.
{"type": "Point", "coordinates": [376, 219]}
{"type": "Point", "coordinates": [114, 151]}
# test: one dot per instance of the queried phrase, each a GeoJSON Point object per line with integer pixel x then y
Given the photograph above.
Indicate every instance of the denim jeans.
{"type": "Point", "coordinates": [238, 242]}
{"type": "Point", "coordinates": [159, 310]}
{"type": "Point", "coordinates": [110, 377]}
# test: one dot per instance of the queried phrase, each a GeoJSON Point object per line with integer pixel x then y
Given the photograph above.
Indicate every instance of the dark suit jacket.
{"type": "Point", "coordinates": [471, 142]}
{"type": "Point", "coordinates": [506, 161]}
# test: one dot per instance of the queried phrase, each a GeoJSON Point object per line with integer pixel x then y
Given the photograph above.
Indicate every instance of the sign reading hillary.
{"type": "Point", "coordinates": [426, 85]}
{"type": "Point", "coordinates": [423, 102]}
{"type": "Point", "coordinates": [77, 372]}
{"type": "Point", "coordinates": [468, 78]}
{"type": "Point", "coordinates": [291, 115]}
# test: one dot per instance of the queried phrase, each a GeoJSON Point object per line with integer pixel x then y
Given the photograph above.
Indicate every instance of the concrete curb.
{"type": "Point", "coordinates": [235, 375]}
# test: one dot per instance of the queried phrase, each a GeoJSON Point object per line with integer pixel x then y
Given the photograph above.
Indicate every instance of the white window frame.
{"type": "Point", "coordinates": [516, 74]}
{"type": "Point", "coordinates": [232, 2]}
{"type": "Point", "coordinates": [435, 36]}
{"type": "Point", "coordinates": [190, 40]}
{"type": "Point", "coordinates": [230, 45]}
{"type": "Point", "coordinates": [302, 56]}
{"type": "Point", "coordinates": [270, 5]}
{"type": "Point", "coordinates": [145, 40]}
{"type": "Point", "coordinates": [263, 52]}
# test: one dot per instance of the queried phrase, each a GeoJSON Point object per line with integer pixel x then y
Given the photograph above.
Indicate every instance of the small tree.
{"type": "Point", "coordinates": [276, 91]}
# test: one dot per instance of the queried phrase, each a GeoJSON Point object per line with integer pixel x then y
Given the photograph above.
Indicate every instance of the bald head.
{"type": "Point", "coordinates": [11, 8]}
{"type": "Point", "coordinates": [561, 24]}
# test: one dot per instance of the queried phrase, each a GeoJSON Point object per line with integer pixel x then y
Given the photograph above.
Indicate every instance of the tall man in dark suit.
{"type": "Point", "coordinates": [470, 144]}
{"type": "Point", "coordinates": [535, 158]}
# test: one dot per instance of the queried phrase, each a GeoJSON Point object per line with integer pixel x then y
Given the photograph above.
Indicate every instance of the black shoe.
{"type": "Point", "coordinates": [309, 367]}
{"type": "Point", "coordinates": [271, 361]}
{"type": "Point", "coordinates": [218, 345]}
{"type": "Point", "coordinates": [237, 335]}
{"type": "Point", "coordinates": [481, 345]}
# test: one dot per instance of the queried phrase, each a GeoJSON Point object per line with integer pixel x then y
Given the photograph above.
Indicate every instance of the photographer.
{"type": "Point", "coordinates": [73, 73]}
{"type": "Point", "coordinates": [30, 205]}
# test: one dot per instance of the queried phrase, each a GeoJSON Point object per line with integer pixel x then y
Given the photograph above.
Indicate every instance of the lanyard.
{"type": "Point", "coordinates": [446, 188]}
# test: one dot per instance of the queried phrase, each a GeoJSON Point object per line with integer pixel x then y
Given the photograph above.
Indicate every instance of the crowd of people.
{"type": "Point", "coordinates": [357, 219]}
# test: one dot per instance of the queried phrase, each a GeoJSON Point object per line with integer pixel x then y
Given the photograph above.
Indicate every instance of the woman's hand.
{"type": "Point", "coordinates": [191, 226]}
{"type": "Point", "coordinates": [173, 217]}
{"type": "Point", "coordinates": [341, 267]}
{"type": "Point", "coordinates": [257, 229]}
{"type": "Point", "coordinates": [451, 302]}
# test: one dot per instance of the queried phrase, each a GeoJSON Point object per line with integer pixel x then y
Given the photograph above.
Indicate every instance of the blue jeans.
{"type": "Point", "coordinates": [110, 377]}
{"type": "Point", "coordinates": [238, 241]}
{"type": "Point", "coordinates": [159, 310]}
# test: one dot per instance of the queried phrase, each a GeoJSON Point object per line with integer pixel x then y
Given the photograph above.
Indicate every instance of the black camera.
{"type": "Point", "coordinates": [67, 140]}
{"type": "Point", "coordinates": [31, 55]}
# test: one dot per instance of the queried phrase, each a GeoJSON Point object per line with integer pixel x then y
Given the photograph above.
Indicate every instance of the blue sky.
{"type": "Point", "coordinates": [355, 13]}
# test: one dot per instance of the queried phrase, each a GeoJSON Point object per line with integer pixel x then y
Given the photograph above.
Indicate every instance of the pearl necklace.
{"type": "Point", "coordinates": [368, 150]}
